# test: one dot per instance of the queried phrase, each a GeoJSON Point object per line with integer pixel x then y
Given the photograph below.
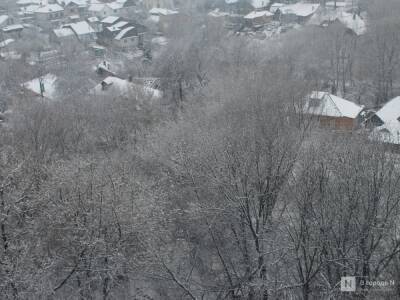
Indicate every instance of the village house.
{"type": "Point", "coordinates": [258, 18]}
{"type": "Point", "coordinates": [149, 4]}
{"type": "Point", "coordinates": [386, 123]}
{"type": "Point", "coordinates": [102, 10]}
{"type": "Point", "coordinates": [297, 13]}
{"type": "Point", "coordinates": [62, 36]}
{"type": "Point", "coordinates": [164, 18]}
{"type": "Point", "coordinates": [44, 87]}
{"type": "Point", "coordinates": [128, 38]}
{"type": "Point", "coordinates": [49, 16]}
{"type": "Point", "coordinates": [73, 7]}
{"type": "Point", "coordinates": [94, 22]}
{"type": "Point", "coordinates": [116, 87]}
{"type": "Point", "coordinates": [83, 31]}
{"type": "Point", "coordinates": [12, 31]}
{"type": "Point", "coordinates": [237, 7]}
{"type": "Point", "coordinates": [6, 20]}
{"type": "Point", "coordinates": [332, 111]}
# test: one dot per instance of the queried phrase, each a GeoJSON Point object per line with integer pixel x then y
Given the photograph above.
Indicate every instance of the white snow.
{"type": "Point", "coordinates": [3, 18]}
{"type": "Point", "coordinates": [258, 14]}
{"type": "Point", "coordinates": [120, 86]}
{"type": "Point", "coordinates": [6, 42]}
{"type": "Point", "coordinates": [123, 32]}
{"type": "Point", "coordinates": [162, 11]}
{"type": "Point", "coordinates": [82, 28]}
{"type": "Point", "coordinates": [114, 5]}
{"type": "Point", "coordinates": [48, 80]}
{"type": "Point", "coordinates": [353, 22]}
{"type": "Point", "coordinates": [300, 9]}
{"type": "Point", "coordinates": [110, 20]}
{"type": "Point", "coordinates": [331, 106]}
{"type": "Point", "coordinates": [63, 32]}
{"type": "Point", "coordinates": [259, 3]}
{"type": "Point", "coordinates": [13, 27]}
{"type": "Point", "coordinates": [49, 9]}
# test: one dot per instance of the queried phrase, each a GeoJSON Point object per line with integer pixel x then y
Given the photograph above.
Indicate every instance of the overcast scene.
{"type": "Point", "coordinates": [200, 149]}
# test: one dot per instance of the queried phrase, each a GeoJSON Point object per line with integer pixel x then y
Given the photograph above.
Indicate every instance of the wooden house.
{"type": "Point", "coordinates": [332, 111]}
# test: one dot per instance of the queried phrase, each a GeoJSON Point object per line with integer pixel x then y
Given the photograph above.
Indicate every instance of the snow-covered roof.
{"type": "Point", "coordinates": [6, 42]}
{"type": "Point", "coordinates": [30, 9]}
{"type": "Point", "coordinates": [300, 9]}
{"type": "Point", "coordinates": [389, 132]}
{"type": "Point", "coordinates": [48, 81]}
{"type": "Point", "coordinates": [353, 22]}
{"type": "Point", "coordinates": [110, 20]}
{"type": "Point", "coordinates": [390, 111]}
{"type": "Point", "coordinates": [81, 3]}
{"type": "Point", "coordinates": [28, 2]}
{"type": "Point", "coordinates": [120, 24]}
{"type": "Point", "coordinates": [331, 106]}
{"type": "Point", "coordinates": [63, 32]}
{"type": "Point", "coordinates": [93, 19]}
{"type": "Point", "coordinates": [259, 3]}
{"type": "Point", "coordinates": [81, 28]}
{"type": "Point", "coordinates": [115, 5]}
{"type": "Point", "coordinates": [122, 86]}
{"type": "Point", "coordinates": [123, 32]}
{"type": "Point", "coordinates": [217, 13]}
{"type": "Point", "coordinates": [96, 7]}
{"type": "Point", "coordinates": [231, 1]}
{"type": "Point", "coordinates": [258, 14]}
{"type": "Point", "coordinates": [3, 18]}
{"type": "Point", "coordinates": [162, 11]}
{"type": "Point", "coordinates": [274, 7]}
{"type": "Point", "coordinates": [49, 8]}
{"type": "Point", "coordinates": [13, 27]}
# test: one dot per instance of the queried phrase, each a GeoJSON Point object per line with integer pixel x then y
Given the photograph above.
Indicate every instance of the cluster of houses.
{"type": "Point", "coordinates": [336, 113]}
{"type": "Point", "coordinates": [277, 17]}
{"type": "Point", "coordinates": [116, 23]}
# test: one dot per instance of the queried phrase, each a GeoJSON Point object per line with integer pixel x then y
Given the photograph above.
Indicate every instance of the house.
{"type": "Point", "coordinates": [62, 36]}
{"type": "Point", "coordinates": [149, 4]}
{"type": "Point", "coordinates": [354, 23]}
{"type": "Point", "coordinates": [44, 86]}
{"type": "Point", "coordinates": [49, 16]}
{"type": "Point", "coordinates": [13, 31]}
{"type": "Point", "coordinates": [129, 7]}
{"type": "Point", "coordinates": [105, 69]}
{"type": "Point", "coordinates": [298, 12]}
{"type": "Point", "coordinates": [116, 87]}
{"type": "Point", "coordinates": [94, 22]}
{"type": "Point", "coordinates": [74, 7]}
{"type": "Point", "coordinates": [165, 18]}
{"type": "Point", "coordinates": [258, 18]}
{"type": "Point", "coordinates": [275, 6]}
{"type": "Point", "coordinates": [102, 10]}
{"type": "Point", "coordinates": [128, 38]}
{"type": "Point", "coordinates": [6, 20]}
{"type": "Point", "coordinates": [83, 31]}
{"type": "Point", "coordinates": [386, 123]}
{"type": "Point", "coordinates": [108, 21]}
{"type": "Point", "coordinates": [260, 4]}
{"type": "Point", "coordinates": [241, 7]}
{"type": "Point", "coordinates": [332, 111]}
